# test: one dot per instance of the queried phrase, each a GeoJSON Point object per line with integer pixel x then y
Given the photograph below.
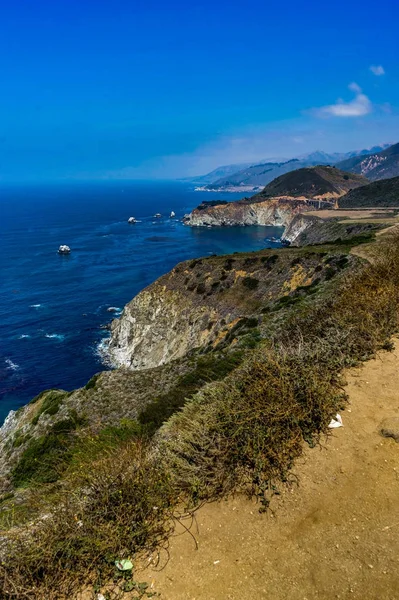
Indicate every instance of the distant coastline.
{"type": "Point", "coordinates": [231, 189]}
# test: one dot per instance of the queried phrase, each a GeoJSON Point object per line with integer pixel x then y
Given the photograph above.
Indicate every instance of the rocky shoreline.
{"type": "Point", "coordinates": [286, 212]}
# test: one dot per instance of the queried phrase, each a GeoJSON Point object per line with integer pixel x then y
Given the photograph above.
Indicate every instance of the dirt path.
{"type": "Point", "coordinates": [367, 251]}
{"type": "Point", "coordinates": [334, 536]}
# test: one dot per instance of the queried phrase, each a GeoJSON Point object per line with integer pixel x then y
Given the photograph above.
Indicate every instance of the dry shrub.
{"type": "Point", "coordinates": [120, 505]}
{"type": "Point", "coordinates": [245, 434]}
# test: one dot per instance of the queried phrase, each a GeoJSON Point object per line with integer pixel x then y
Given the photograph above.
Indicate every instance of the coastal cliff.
{"type": "Point", "coordinates": [281, 201]}
{"type": "Point", "coordinates": [199, 303]}
{"type": "Point", "coordinates": [266, 379]}
{"type": "Point", "coordinates": [289, 213]}
{"type": "Point", "coordinates": [276, 212]}
{"type": "Point", "coordinates": [191, 326]}
{"type": "Point", "coordinates": [297, 226]}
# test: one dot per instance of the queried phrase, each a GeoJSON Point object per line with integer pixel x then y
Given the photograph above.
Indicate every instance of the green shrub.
{"type": "Point", "coordinates": [194, 263]}
{"type": "Point", "coordinates": [91, 384]}
{"type": "Point", "coordinates": [228, 265]}
{"type": "Point", "coordinates": [269, 261]}
{"type": "Point", "coordinates": [126, 507]}
{"type": "Point", "coordinates": [20, 439]}
{"type": "Point", "coordinates": [201, 288]}
{"type": "Point", "coordinates": [46, 457]}
{"type": "Point", "coordinates": [210, 367]}
{"type": "Point", "coordinates": [250, 282]}
{"type": "Point", "coordinates": [126, 430]}
{"type": "Point", "coordinates": [50, 405]}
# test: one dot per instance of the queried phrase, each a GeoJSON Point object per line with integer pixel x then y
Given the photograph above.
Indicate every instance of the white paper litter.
{"type": "Point", "coordinates": [337, 422]}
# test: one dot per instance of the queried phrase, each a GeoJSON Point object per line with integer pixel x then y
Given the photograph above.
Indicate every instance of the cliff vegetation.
{"type": "Point", "coordinates": [384, 193]}
{"type": "Point", "coordinates": [312, 182]}
{"type": "Point", "coordinates": [230, 415]}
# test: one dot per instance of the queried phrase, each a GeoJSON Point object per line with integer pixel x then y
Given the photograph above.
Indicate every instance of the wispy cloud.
{"type": "Point", "coordinates": [358, 107]}
{"type": "Point", "coordinates": [377, 70]}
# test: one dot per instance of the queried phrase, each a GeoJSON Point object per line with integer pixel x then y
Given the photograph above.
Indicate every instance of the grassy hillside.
{"type": "Point", "coordinates": [241, 431]}
{"type": "Point", "coordinates": [379, 165]}
{"type": "Point", "coordinates": [384, 193]}
{"type": "Point", "coordinates": [312, 182]}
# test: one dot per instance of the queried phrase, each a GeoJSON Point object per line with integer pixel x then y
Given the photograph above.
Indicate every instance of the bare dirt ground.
{"type": "Point", "coordinates": [359, 213]}
{"type": "Point", "coordinates": [336, 535]}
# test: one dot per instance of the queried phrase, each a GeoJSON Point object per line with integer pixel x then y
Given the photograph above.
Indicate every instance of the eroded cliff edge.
{"type": "Point", "coordinates": [198, 303]}
{"type": "Point", "coordinates": [302, 225]}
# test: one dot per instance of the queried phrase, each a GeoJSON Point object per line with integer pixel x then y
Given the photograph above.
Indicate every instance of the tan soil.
{"type": "Point", "coordinates": [359, 213]}
{"type": "Point", "coordinates": [336, 535]}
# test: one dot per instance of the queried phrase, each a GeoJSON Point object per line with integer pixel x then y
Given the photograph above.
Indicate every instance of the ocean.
{"type": "Point", "coordinates": [53, 308]}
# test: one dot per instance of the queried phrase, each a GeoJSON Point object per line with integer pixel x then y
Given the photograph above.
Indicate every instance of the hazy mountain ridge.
{"type": "Point", "coordinates": [376, 165]}
{"type": "Point", "coordinates": [262, 173]}
{"type": "Point", "coordinates": [218, 173]}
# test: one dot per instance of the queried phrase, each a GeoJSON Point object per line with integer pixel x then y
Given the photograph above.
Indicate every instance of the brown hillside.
{"type": "Point", "coordinates": [384, 193]}
{"type": "Point", "coordinates": [312, 182]}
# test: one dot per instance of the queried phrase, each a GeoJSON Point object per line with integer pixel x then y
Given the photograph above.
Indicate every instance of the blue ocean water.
{"type": "Point", "coordinates": [53, 308]}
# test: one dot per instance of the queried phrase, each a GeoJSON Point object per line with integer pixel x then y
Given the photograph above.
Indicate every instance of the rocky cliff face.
{"type": "Point", "coordinates": [289, 213]}
{"type": "Point", "coordinates": [276, 211]}
{"type": "Point", "coordinates": [297, 226]}
{"type": "Point", "coordinates": [199, 302]}
{"type": "Point", "coordinates": [157, 326]}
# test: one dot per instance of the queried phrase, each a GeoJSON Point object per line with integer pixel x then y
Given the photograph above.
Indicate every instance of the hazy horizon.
{"type": "Point", "coordinates": [97, 91]}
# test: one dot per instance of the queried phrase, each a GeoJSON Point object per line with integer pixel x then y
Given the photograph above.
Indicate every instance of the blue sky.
{"type": "Point", "coordinates": [118, 88]}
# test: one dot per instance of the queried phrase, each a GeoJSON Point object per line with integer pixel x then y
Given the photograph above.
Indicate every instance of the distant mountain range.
{"type": "Point", "coordinates": [219, 173]}
{"type": "Point", "coordinates": [375, 165]}
{"type": "Point", "coordinates": [225, 171]}
{"type": "Point", "coordinates": [258, 175]}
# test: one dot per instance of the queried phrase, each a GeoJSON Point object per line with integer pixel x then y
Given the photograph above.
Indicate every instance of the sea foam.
{"type": "Point", "coordinates": [56, 336]}
{"type": "Point", "coordinates": [11, 365]}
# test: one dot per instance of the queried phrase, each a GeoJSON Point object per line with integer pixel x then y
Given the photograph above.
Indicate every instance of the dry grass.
{"type": "Point", "coordinates": [242, 433]}
{"type": "Point", "coordinates": [107, 510]}
{"type": "Point", "coordinates": [246, 432]}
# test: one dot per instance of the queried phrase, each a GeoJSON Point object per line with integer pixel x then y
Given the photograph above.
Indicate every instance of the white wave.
{"type": "Point", "coordinates": [114, 309]}
{"type": "Point", "coordinates": [34, 305]}
{"type": "Point", "coordinates": [11, 365]}
{"type": "Point", "coordinates": [102, 351]}
{"type": "Point", "coordinates": [57, 336]}
{"type": "Point", "coordinates": [23, 336]}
